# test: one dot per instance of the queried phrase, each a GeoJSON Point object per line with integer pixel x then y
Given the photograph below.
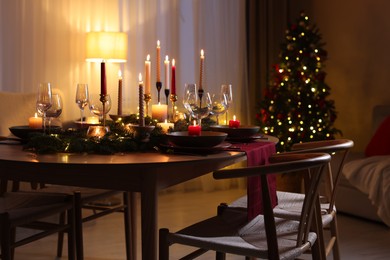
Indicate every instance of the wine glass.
{"type": "Point", "coordinates": [96, 105]}
{"type": "Point", "coordinates": [82, 98]}
{"type": "Point", "coordinates": [219, 105]}
{"type": "Point", "coordinates": [56, 108]}
{"type": "Point", "coordinates": [44, 101]}
{"type": "Point", "coordinates": [227, 89]}
{"type": "Point", "coordinates": [197, 103]}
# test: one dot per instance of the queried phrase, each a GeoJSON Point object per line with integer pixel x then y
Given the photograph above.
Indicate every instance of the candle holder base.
{"type": "Point", "coordinates": [141, 133]}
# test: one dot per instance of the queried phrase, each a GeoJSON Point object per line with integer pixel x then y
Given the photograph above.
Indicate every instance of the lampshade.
{"type": "Point", "coordinates": [106, 46]}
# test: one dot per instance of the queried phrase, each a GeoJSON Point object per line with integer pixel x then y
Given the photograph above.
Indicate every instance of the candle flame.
{"type": "Point", "coordinates": [173, 62]}
{"type": "Point", "coordinates": [201, 53]}
{"type": "Point", "coordinates": [194, 123]}
{"type": "Point", "coordinates": [158, 43]}
{"type": "Point", "coordinates": [120, 74]}
{"type": "Point", "coordinates": [166, 58]}
{"type": "Point", "coordinates": [36, 115]}
{"type": "Point", "coordinates": [140, 77]}
{"type": "Point", "coordinates": [148, 57]}
{"type": "Point", "coordinates": [166, 121]}
{"type": "Point", "coordinates": [234, 118]}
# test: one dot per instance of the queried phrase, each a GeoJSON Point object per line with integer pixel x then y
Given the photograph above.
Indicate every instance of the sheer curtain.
{"type": "Point", "coordinates": [44, 41]}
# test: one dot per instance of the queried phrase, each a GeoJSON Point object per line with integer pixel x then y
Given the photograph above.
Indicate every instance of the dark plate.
{"type": "Point", "coordinates": [24, 131]}
{"type": "Point", "coordinates": [205, 139]}
{"type": "Point", "coordinates": [195, 150]}
{"type": "Point", "coordinates": [241, 132]}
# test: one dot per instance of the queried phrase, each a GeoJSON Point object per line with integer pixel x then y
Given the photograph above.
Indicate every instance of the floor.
{"type": "Point", "coordinates": [104, 238]}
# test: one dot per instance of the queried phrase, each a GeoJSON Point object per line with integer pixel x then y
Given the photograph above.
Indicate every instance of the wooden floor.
{"type": "Point", "coordinates": [104, 238]}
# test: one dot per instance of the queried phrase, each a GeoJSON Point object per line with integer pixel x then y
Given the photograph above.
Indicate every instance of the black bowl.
{"type": "Point", "coordinates": [24, 132]}
{"type": "Point", "coordinates": [242, 131]}
{"type": "Point", "coordinates": [205, 139]}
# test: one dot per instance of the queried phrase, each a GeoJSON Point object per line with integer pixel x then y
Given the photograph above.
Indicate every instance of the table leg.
{"type": "Point", "coordinates": [149, 222]}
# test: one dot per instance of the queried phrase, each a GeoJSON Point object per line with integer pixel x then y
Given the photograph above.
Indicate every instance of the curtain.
{"type": "Point", "coordinates": [44, 41]}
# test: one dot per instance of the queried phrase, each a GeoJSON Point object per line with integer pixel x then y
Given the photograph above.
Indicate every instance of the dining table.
{"type": "Point", "coordinates": [144, 172]}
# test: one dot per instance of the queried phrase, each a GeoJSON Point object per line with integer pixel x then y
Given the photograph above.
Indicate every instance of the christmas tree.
{"type": "Point", "coordinates": [296, 107]}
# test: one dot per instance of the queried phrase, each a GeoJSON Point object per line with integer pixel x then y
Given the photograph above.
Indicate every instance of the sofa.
{"type": "Point", "coordinates": [353, 197]}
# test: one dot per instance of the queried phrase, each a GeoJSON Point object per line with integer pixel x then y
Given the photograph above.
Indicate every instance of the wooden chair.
{"type": "Point", "coordinates": [87, 198]}
{"type": "Point", "coordinates": [265, 236]}
{"type": "Point", "coordinates": [289, 203]}
{"type": "Point", "coordinates": [27, 209]}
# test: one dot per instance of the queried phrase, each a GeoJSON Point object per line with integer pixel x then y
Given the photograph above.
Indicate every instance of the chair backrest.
{"type": "Point", "coordinates": [284, 163]}
{"type": "Point", "coordinates": [338, 149]}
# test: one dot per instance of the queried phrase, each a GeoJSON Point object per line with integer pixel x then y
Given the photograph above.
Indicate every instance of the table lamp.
{"type": "Point", "coordinates": [106, 47]}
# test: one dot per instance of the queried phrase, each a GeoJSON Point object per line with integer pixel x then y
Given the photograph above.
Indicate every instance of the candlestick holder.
{"type": "Point", "coordinates": [200, 95]}
{"type": "Point", "coordinates": [147, 98]}
{"type": "Point", "coordinates": [166, 91]}
{"type": "Point", "coordinates": [104, 99]}
{"type": "Point", "coordinates": [158, 86]}
{"type": "Point", "coordinates": [173, 99]}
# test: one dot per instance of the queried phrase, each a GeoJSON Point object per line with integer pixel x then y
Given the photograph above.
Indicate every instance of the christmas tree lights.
{"type": "Point", "coordinates": [295, 107]}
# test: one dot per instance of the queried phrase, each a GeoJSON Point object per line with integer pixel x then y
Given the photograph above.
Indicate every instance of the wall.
{"type": "Point", "coordinates": [357, 37]}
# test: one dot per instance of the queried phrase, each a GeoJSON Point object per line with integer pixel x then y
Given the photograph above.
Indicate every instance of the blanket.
{"type": "Point", "coordinates": [371, 175]}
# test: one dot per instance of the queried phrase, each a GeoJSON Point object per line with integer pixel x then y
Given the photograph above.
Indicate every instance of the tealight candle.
{"type": "Point", "coordinates": [194, 129]}
{"type": "Point", "coordinates": [159, 112]}
{"type": "Point", "coordinates": [234, 123]}
{"type": "Point", "coordinates": [35, 121]}
{"type": "Point", "coordinates": [92, 120]}
{"type": "Point", "coordinates": [165, 126]}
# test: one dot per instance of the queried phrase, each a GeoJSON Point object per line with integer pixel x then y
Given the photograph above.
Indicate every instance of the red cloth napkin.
{"type": "Point", "coordinates": [257, 154]}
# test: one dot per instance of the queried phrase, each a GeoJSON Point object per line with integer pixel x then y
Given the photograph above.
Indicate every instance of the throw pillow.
{"type": "Point", "coordinates": [380, 142]}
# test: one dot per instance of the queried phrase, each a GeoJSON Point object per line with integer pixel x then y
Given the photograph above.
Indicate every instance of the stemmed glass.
{"type": "Point", "coordinates": [199, 106]}
{"type": "Point", "coordinates": [56, 108]}
{"type": "Point", "coordinates": [44, 101]}
{"type": "Point", "coordinates": [82, 98]}
{"type": "Point", "coordinates": [96, 105]}
{"type": "Point", "coordinates": [219, 104]}
{"type": "Point", "coordinates": [227, 89]}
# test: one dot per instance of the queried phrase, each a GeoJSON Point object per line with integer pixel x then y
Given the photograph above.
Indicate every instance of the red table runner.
{"type": "Point", "coordinates": [257, 154]}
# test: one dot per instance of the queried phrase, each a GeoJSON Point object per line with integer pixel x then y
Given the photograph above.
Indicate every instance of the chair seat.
{"type": "Point", "coordinates": [289, 206]}
{"type": "Point", "coordinates": [19, 205]}
{"type": "Point", "coordinates": [231, 232]}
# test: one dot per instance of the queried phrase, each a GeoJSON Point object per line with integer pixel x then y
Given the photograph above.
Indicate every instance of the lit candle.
{"type": "Point", "coordinates": [120, 93]}
{"type": "Point", "coordinates": [35, 121]}
{"type": "Point", "coordinates": [201, 69]}
{"type": "Point", "coordinates": [147, 74]}
{"type": "Point", "coordinates": [92, 120]}
{"type": "Point", "coordinates": [158, 62]}
{"type": "Point", "coordinates": [165, 126]}
{"type": "Point", "coordinates": [159, 112]}
{"type": "Point", "coordinates": [234, 123]}
{"type": "Point", "coordinates": [103, 81]}
{"type": "Point", "coordinates": [141, 100]}
{"type": "Point", "coordinates": [194, 129]}
{"type": "Point", "coordinates": [173, 82]}
{"type": "Point", "coordinates": [166, 65]}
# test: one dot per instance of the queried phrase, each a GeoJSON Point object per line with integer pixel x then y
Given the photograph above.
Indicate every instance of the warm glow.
{"type": "Point", "coordinates": [148, 57]}
{"type": "Point", "coordinates": [158, 43]}
{"type": "Point", "coordinates": [120, 74]}
{"type": "Point", "coordinates": [140, 77]}
{"type": "Point", "coordinates": [202, 54]}
{"type": "Point", "coordinates": [106, 46]}
{"type": "Point", "coordinates": [173, 62]}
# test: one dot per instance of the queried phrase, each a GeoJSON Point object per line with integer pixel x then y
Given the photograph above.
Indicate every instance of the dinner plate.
{"type": "Point", "coordinates": [240, 132]}
{"type": "Point", "coordinates": [205, 139]}
{"type": "Point", "coordinates": [24, 131]}
{"type": "Point", "coordinates": [195, 150]}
